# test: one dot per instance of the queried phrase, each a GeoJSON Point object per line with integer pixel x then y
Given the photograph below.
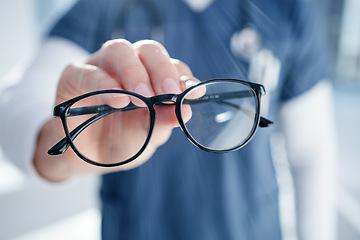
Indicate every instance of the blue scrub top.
{"type": "Point", "coordinates": [183, 192]}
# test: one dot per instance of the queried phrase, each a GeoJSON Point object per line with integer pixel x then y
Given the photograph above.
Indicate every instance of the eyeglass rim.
{"type": "Point", "coordinates": [141, 150]}
{"type": "Point", "coordinates": [258, 91]}
{"type": "Point", "coordinates": [61, 110]}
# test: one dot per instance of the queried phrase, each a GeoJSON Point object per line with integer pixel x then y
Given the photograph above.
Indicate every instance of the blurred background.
{"type": "Point", "coordinates": [70, 211]}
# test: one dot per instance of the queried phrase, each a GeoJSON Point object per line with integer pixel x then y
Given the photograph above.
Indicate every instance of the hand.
{"type": "Point", "coordinates": [144, 67]}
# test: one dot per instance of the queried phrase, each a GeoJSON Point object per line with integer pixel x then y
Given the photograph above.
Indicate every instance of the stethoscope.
{"type": "Point", "coordinates": [152, 10]}
{"type": "Point", "coordinates": [245, 43]}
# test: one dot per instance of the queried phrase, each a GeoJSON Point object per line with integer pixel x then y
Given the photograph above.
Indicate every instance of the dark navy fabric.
{"type": "Point", "coordinates": [183, 192]}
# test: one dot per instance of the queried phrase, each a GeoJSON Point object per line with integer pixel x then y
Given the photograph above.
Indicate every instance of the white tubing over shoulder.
{"type": "Point", "coordinates": [309, 128]}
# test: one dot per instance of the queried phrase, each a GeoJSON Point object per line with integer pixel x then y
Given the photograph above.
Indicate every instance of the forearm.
{"type": "Point", "coordinates": [28, 104]}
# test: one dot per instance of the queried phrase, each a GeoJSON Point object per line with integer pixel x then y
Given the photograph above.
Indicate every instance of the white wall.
{"type": "Point", "coordinates": [18, 33]}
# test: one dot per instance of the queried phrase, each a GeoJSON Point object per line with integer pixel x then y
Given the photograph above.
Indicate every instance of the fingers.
{"type": "Point", "coordinates": [144, 67]}
{"type": "Point", "coordinates": [120, 60]}
{"type": "Point", "coordinates": [186, 77]}
{"type": "Point", "coordinates": [162, 73]}
{"type": "Point", "coordinates": [78, 79]}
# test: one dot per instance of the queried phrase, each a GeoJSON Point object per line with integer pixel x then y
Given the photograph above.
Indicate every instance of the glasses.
{"type": "Point", "coordinates": [218, 115]}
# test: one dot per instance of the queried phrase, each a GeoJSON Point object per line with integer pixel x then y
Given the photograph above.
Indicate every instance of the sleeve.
{"type": "Point", "coordinates": [308, 126]}
{"type": "Point", "coordinates": [307, 122]}
{"type": "Point", "coordinates": [307, 61]}
{"type": "Point", "coordinates": [27, 105]}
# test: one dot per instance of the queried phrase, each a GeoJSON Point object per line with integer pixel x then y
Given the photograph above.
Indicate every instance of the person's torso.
{"type": "Point", "coordinates": [183, 192]}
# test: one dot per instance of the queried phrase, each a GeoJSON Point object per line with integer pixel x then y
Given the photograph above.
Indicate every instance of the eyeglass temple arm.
{"type": "Point", "coordinates": [263, 122]}
{"type": "Point", "coordinates": [101, 110]}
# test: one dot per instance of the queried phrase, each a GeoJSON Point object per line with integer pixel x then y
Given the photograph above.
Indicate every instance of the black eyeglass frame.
{"type": "Point", "coordinates": [62, 111]}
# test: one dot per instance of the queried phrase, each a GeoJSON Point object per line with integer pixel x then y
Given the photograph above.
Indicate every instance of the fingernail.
{"type": "Point", "coordinates": [144, 89]}
{"type": "Point", "coordinates": [184, 78]}
{"type": "Point", "coordinates": [116, 100]}
{"type": "Point", "coordinates": [116, 95]}
{"type": "Point", "coordinates": [186, 82]}
{"type": "Point", "coordinates": [190, 83]}
{"type": "Point", "coordinates": [169, 85]}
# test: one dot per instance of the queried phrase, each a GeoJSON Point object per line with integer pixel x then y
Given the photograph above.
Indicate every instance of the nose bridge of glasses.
{"type": "Point", "coordinates": [164, 99]}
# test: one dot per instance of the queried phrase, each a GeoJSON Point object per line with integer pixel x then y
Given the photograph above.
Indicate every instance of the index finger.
{"type": "Point", "coordinates": [163, 75]}
{"type": "Point", "coordinates": [120, 60]}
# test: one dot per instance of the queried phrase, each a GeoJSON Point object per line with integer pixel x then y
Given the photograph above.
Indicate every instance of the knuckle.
{"type": "Point", "coordinates": [69, 70]}
{"type": "Point", "coordinates": [113, 48]}
{"type": "Point", "coordinates": [89, 78]}
{"type": "Point", "coordinates": [81, 73]}
{"type": "Point", "coordinates": [79, 78]}
{"type": "Point", "coordinates": [132, 75]}
{"type": "Point", "coordinates": [132, 70]}
{"type": "Point", "coordinates": [116, 43]}
{"type": "Point", "coordinates": [89, 72]}
{"type": "Point", "coordinates": [145, 46]}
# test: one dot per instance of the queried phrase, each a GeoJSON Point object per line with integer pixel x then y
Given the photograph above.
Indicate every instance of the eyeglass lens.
{"type": "Point", "coordinates": [109, 121]}
{"type": "Point", "coordinates": [225, 119]}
